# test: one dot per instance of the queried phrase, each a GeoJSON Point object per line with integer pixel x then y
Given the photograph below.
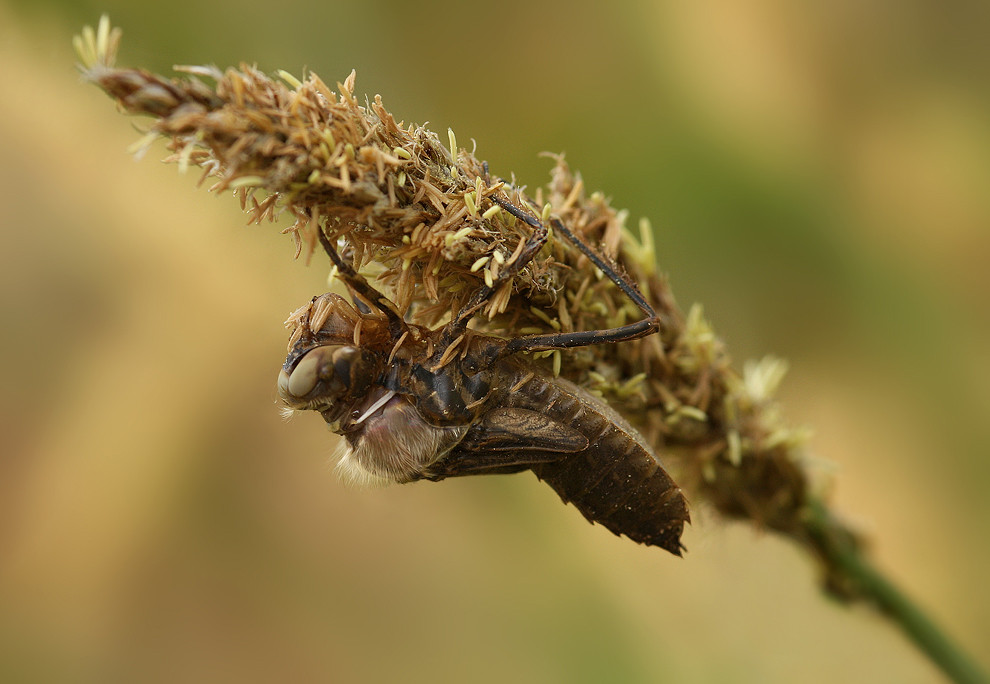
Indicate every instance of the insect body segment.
{"type": "Point", "coordinates": [583, 449]}
{"type": "Point", "coordinates": [413, 403]}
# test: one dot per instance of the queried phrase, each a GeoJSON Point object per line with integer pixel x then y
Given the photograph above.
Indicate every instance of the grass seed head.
{"type": "Point", "coordinates": [394, 195]}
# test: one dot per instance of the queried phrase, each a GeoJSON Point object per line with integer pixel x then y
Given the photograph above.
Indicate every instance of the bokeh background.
{"type": "Point", "coordinates": [817, 174]}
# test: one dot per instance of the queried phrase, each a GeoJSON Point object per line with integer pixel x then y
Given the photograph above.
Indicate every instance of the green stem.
{"type": "Point", "coordinates": [845, 559]}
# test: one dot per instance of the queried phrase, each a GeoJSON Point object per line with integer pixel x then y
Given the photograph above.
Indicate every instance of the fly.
{"type": "Point", "coordinates": [414, 403]}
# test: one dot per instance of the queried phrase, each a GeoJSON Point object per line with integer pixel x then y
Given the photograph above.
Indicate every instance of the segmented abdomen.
{"type": "Point", "coordinates": [617, 481]}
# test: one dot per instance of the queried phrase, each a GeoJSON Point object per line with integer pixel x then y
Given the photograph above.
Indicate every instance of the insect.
{"type": "Point", "coordinates": [415, 403]}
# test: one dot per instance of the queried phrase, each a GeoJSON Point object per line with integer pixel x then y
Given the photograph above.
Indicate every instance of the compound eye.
{"type": "Point", "coordinates": [329, 372]}
{"type": "Point", "coordinates": [343, 360]}
{"type": "Point", "coordinates": [304, 376]}
{"type": "Point", "coordinates": [355, 369]}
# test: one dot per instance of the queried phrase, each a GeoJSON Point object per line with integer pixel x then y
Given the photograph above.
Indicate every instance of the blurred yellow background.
{"type": "Point", "coordinates": [818, 177]}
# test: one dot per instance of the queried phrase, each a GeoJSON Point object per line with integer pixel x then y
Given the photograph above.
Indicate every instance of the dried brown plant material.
{"type": "Point", "coordinates": [424, 216]}
{"type": "Point", "coordinates": [423, 212]}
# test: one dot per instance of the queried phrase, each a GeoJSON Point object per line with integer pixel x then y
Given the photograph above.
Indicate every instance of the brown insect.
{"type": "Point", "coordinates": [414, 403]}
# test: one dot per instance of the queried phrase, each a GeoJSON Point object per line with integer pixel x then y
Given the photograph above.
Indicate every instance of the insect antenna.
{"type": "Point", "coordinates": [358, 284]}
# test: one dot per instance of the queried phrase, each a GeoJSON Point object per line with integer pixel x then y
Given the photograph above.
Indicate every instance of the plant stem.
{"type": "Point", "coordinates": [846, 557]}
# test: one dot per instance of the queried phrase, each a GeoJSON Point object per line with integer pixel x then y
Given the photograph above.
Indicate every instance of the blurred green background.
{"type": "Point", "coordinates": [817, 174]}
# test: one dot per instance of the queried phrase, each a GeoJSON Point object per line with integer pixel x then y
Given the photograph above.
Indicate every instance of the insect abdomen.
{"type": "Point", "coordinates": [617, 480]}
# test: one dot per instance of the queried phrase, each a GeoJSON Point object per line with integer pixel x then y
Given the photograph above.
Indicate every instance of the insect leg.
{"type": "Point", "coordinates": [363, 288]}
{"type": "Point", "coordinates": [534, 243]}
{"type": "Point", "coordinates": [647, 326]}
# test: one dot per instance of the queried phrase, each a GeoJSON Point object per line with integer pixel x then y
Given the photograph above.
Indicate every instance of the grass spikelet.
{"type": "Point", "coordinates": [396, 196]}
